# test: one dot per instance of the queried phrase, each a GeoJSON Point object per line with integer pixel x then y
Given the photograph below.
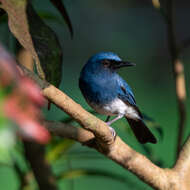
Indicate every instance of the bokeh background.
{"type": "Point", "coordinates": [136, 31]}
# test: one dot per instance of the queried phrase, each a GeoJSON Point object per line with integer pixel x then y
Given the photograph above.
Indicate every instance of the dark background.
{"type": "Point", "coordinates": [136, 31]}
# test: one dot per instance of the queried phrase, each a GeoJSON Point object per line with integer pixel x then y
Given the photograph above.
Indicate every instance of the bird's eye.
{"type": "Point", "coordinates": [106, 63]}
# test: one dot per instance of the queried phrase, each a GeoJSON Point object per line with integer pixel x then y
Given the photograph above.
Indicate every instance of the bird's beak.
{"type": "Point", "coordinates": [119, 64]}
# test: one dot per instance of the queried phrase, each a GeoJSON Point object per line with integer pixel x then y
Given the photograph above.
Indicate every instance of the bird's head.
{"type": "Point", "coordinates": [108, 60]}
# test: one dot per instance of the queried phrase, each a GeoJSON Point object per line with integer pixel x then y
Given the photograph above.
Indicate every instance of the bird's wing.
{"type": "Point", "coordinates": [125, 93]}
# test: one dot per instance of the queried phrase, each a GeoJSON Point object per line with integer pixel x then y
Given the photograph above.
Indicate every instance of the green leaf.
{"type": "Point", "coordinates": [2, 12]}
{"type": "Point", "coordinates": [149, 151]}
{"type": "Point", "coordinates": [3, 19]}
{"type": "Point", "coordinates": [3, 16]}
{"type": "Point", "coordinates": [50, 16]}
{"type": "Point", "coordinates": [76, 173]}
{"type": "Point", "coordinates": [59, 149]}
{"type": "Point", "coordinates": [36, 37]}
{"type": "Point", "coordinates": [47, 47]}
{"type": "Point", "coordinates": [7, 142]}
{"type": "Point", "coordinates": [61, 8]}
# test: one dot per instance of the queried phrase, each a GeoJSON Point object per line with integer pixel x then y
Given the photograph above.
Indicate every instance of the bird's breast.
{"type": "Point", "coordinates": [102, 95]}
{"type": "Point", "coordinates": [98, 90]}
{"type": "Point", "coordinates": [115, 107]}
{"type": "Point", "coordinates": [107, 107]}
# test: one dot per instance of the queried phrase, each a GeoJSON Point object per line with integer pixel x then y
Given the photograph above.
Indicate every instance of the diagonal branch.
{"type": "Point", "coordinates": [61, 100]}
{"type": "Point", "coordinates": [116, 150]}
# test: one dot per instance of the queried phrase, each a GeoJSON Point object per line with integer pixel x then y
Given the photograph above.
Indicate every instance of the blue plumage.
{"type": "Point", "coordinates": [104, 55]}
{"type": "Point", "coordinates": [95, 77]}
{"type": "Point", "coordinates": [125, 93]}
{"type": "Point", "coordinates": [107, 93]}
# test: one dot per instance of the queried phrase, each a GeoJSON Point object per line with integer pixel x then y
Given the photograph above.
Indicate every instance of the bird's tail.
{"type": "Point", "coordinates": [141, 131]}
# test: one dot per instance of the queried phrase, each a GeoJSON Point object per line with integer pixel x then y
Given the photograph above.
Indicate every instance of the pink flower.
{"type": "Point", "coordinates": [22, 104]}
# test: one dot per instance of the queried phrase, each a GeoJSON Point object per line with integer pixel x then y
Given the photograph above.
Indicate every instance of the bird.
{"type": "Point", "coordinates": [109, 94]}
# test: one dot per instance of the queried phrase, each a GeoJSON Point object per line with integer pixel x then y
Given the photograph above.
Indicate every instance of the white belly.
{"type": "Point", "coordinates": [116, 107]}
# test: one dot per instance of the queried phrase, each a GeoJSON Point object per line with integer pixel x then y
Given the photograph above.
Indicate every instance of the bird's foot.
{"type": "Point", "coordinates": [114, 134]}
{"type": "Point", "coordinates": [109, 122]}
{"type": "Point", "coordinates": [113, 120]}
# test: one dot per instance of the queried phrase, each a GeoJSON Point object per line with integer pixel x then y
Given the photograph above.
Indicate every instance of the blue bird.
{"type": "Point", "coordinates": [107, 93]}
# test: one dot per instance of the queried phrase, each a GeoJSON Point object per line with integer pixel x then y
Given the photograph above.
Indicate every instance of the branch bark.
{"type": "Point", "coordinates": [120, 153]}
{"type": "Point", "coordinates": [69, 131]}
{"type": "Point", "coordinates": [64, 102]}
{"type": "Point", "coordinates": [97, 132]}
{"type": "Point", "coordinates": [165, 179]}
{"type": "Point", "coordinates": [182, 166]}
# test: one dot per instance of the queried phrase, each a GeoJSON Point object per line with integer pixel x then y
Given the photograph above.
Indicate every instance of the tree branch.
{"type": "Point", "coordinates": [118, 152]}
{"type": "Point", "coordinates": [103, 142]}
{"type": "Point", "coordinates": [68, 131]}
{"type": "Point", "coordinates": [178, 177]}
{"type": "Point", "coordinates": [178, 72]}
{"type": "Point", "coordinates": [182, 166]}
{"type": "Point", "coordinates": [64, 102]}
{"type": "Point", "coordinates": [184, 162]}
{"type": "Point", "coordinates": [95, 131]}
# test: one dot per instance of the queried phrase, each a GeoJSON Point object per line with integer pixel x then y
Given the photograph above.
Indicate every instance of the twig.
{"type": "Point", "coordinates": [35, 154]}
{"type": "Point", "coordinates": [178, 71]}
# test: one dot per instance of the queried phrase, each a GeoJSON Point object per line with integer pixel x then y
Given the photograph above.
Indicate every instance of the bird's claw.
{"type": "Point", "coordinates": [114, 134]}
{"type": "Point", "coordinates": [109, 123]}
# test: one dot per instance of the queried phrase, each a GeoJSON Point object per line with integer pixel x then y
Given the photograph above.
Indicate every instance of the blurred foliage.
{"type": "Point", "coordinates": [37, 38]}
{"type": "Point", "coordinates": [7, 133]}
{"type": "Point", "coordinates": [46, 46]}
{"type": "Point", "coordinates": [76, 173]}
{"type": "Point", "coordinates": [59, 149]}
{"type": "Point", "coordinates": [3, 16]}
{"type": "Point", "coordinates": [7, 141]}
{"type": "Point", "coordinates": [136, 31]}
{"type": "Point", "coordinates": [18, 108]}
{"type": "Point", "coordinates": [61, 8]}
